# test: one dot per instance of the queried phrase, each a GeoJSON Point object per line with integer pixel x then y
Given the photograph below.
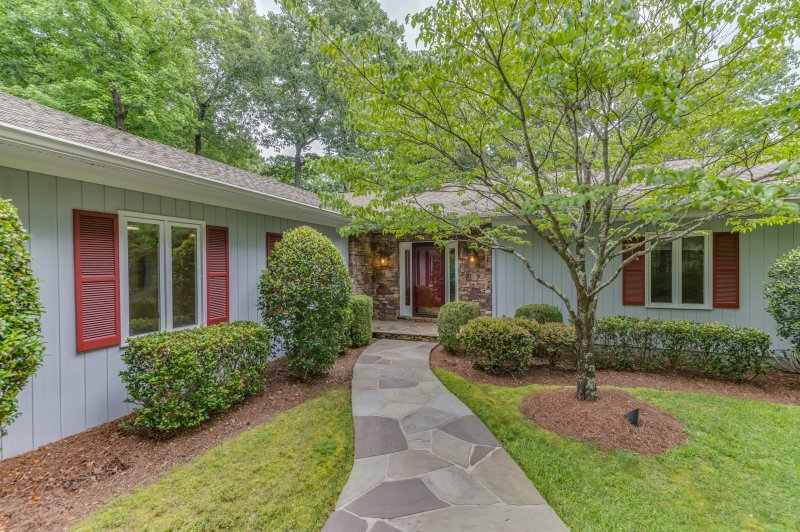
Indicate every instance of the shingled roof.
{"type": "Point", "coordinates": [40, 119]}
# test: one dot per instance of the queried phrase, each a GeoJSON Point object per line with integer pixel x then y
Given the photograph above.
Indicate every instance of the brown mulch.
{"type": "Point", "coordinates": [53, 486]}
{"type": "Point", "coordinates": [774, 386]}
{"type": "Point", "coordinates": [602, 423]}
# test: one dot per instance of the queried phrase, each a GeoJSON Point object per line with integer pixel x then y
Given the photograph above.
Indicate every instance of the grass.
{"type": "Point", "coordinates": [739, 470]}
{"type": "Point", "coordinates": [282, 475]}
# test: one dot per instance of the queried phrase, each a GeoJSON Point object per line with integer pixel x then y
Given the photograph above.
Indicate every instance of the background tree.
{"type": "Point", "coordinates": [298, 102]}
{"type": "Point", "coordinates": [559, 116]}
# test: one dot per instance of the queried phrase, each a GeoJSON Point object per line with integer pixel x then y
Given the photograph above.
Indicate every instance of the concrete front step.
{"type": "Point", "coordinates": [409, 330]}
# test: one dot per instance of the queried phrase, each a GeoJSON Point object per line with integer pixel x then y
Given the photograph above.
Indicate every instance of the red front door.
{"type": "Point", "coordinates": [428, 279]}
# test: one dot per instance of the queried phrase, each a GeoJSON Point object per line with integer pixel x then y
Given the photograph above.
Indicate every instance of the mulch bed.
{"type": "Point", "coordinates": [53, 486]}
{"type": "Point", "coordinates": [774, 386]}
{"type": "Point", "coordinates": [602, 423]}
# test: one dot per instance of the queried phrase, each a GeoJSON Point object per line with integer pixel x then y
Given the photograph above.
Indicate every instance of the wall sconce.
{"type": "Point", "coordinates": [381, 262]}
{"type": "Point", "coordinates": [473, 258]}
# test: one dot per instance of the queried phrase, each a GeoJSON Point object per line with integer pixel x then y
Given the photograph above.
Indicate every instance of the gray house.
{"type": "Point", "coordinates": [128, 236]}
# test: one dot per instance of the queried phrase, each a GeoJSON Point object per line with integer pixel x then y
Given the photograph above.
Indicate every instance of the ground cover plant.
{"type": "Point", "coordinates": [738, 469]}
{"type": "Point", "coordinates": [304, 297]}
{"type": "Point", "coordinates": [21, 346]}
{"type": "Point", "coordinates": [180, 378]}
{"type": "Point", "coordinates": [285, 474]}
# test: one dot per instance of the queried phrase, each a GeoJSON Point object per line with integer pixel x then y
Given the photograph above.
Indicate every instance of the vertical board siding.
{"type": "Point", "coordinates": [71, 391]}
{"type": "Point", "coordinates": [758, 250]}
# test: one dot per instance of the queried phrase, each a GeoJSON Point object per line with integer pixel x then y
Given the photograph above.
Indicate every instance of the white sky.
{"type": "Point", "coordinates": [397, 9]}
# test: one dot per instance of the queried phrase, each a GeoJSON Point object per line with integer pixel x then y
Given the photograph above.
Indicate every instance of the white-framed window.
{"type": "Point", "coordinates": [678, 273]}
{"type": "Point", "coordinates": [162, 265]}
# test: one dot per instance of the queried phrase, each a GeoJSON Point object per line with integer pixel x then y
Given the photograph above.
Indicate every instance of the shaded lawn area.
{"type": "Point", "coordinates": [740, 468]}
{"type": "Point", "coordinates": [285, 474]}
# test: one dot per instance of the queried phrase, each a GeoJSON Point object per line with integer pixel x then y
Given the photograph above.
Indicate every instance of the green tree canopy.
{"type": "Point", "coordinates": [558, 118]}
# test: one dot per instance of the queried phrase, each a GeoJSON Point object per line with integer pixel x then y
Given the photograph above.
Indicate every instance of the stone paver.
{"type": "Point", "coordinates": [423, 460]}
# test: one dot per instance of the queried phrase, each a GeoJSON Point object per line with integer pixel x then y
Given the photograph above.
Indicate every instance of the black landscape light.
{"type": "Point", "coordinates": [633, 417]}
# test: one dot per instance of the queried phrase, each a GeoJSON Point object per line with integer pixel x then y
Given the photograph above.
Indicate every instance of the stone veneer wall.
{"type": "Point", "coordinates": [382, 283]}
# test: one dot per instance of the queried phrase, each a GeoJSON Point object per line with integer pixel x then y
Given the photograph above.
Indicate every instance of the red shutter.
{"type": "Point", "coordinates": [96, 246]}
{"type": "Point", "coordinates": [726, 270]}
{"type": "Point", "coordinates": [218, 274]}
{"type": "Point", "coordinates": [272, 238]}
{"type": "Point", "coordinates": [633, 274]}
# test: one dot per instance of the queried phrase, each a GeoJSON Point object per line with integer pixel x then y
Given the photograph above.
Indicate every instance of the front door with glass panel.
{"type": "Point", "coordinates": [429, 279]}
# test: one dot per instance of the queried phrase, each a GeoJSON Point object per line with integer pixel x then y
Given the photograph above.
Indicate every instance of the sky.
{"type": "Point", "coordinates": [397, 9]}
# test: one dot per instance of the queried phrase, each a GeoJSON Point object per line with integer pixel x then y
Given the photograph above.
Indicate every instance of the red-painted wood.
{"type": "Point", "coordinates": [429, 274]}
{"type": "Point", "coordinates": [633, 278]}
{"type": "Point", "coordinates": [218, 275]}
{"type": "Point", "coordinates": [272, 239]}
{"type": "Point", "coordinates": [97, 300]}
{"type": "Point", "coordinates": [726, 270]}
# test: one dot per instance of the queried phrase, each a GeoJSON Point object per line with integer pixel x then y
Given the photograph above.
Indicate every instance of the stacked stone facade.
{"type": "Point", "coordinates": [375, 268]}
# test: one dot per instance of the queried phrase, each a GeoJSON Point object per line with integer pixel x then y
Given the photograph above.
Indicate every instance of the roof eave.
{"type": "Point", "coordinates": [34, 151]}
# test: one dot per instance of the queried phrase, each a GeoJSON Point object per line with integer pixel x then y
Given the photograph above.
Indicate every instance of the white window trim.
{"type": "Point", "coordinates": [165, 224]}
{"type": "Point", "coordinates": [450, 246]}
{"type": "Point", "coordinates": [677, 280]}
{"type": "Point", "coordinates": [406, 310]}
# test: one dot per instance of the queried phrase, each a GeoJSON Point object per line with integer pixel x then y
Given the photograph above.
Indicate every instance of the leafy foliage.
{"type": "Point", "coordinates": [304, 297]}
{"type": "Point", "coordinates": [567, 118]}
{"type": "Point", "coordinates": [541, 313]}
{"type": "Point", "coordinates": [715, 349]}
{"type": "Point", "coordinates": [180, 378]}
{"type": "Point", "coordinates": [783, 296]}
{"type": "Point", "coordinates": [497, 345]}
{"type": "Point", "coordinates": [21, 345]}
{"type": "Point", "coordinates": [360, 320]}
{"type": "Point", "coordinates": [452, 317]}
{"type": "Point", "coordinates": [556, 343]}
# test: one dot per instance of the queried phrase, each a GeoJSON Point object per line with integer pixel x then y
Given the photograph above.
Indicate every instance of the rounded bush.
{"type": "Point", "coordinates": [541, 313]}
{"type": "Point", "coordinates": [21, 346]}
{"type": "Point", "coordinates": [304, 298]}
{"type": "Point", "coordinates": [452, 317]}
{"type": "Point", "coordinates": [497, 345]}
{"type": "Point", "coordinates": [783, 296]}
{"type": "Point", "coordinates": [360, 332]}
{"type": "Point", "coordinates": [556, 343]}
{"type": "Point", "coordinates": [180, 378]}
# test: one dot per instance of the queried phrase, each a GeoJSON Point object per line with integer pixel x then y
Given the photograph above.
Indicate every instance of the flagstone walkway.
{"type": "Point", "coordinates": [423, 460]}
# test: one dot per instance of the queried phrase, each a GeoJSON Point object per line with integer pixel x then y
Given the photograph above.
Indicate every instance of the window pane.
{"type": "Point", "coordinates": [661, 274]}
{"type": "Point", "coordinates": [693, 270]}
{"type": "Point", "coordinates": [143, 277]}
{"type": "Point", "coordinates": [184, 276]}
{"type": "Point", "coordinates": [407, 295]}
{"type": "Point", "coordinates": [451, 257]}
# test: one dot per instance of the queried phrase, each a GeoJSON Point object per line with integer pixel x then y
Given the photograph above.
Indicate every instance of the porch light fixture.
{"type": "Point", "coordinates": [382, 262]}
{"type": "Point", "coordinates": [473, 258]}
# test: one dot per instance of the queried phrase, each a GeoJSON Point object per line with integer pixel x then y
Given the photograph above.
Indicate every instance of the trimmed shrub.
{"type": "Point", "coordinates": [556, 343]}
{"type": "Point", "coordinates": [541, 313]}
{"type": "Point", "coordinates": [180, 378]}
{"type": "Point", "coordinates": [21, 346]}
{"type": "Point", "coordinates": [452, 317]}
{"type": "Point", "coordinates": [783, 296]}
{"type": "Point", "coordinates": [360, 320]}
{"type": "Point", "coordinates": [497, 345]}
{"type": "Point", "coordinates": [716, 349]}
{"type": "Point", "coordinates": [304, 298]}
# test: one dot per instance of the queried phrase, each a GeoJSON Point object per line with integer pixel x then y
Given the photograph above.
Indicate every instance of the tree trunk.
{"type": "Point", "coordinates": [584, 331]}
{"type": "Point", "coordinates": [202, 109]}
{"type": "Point", "coordinates": [198, 143]}
{"type": "Point", "coordinates": [298, 166]}
{"type": "Point", "coordinates": [120, 113]}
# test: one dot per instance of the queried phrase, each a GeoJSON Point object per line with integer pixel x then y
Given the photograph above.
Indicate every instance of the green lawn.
{"type": "Point", "coordinates": [740, 468]}
{"type": "Point", "coordinates": [283, 475]}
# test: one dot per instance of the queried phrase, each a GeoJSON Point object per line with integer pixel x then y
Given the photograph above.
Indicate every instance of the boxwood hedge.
{"type": "Point", "coordinates": [452, 317]}
{"type": "Point", "coordinates": [180, 378]}
{"type": "Point", "coordinates": [360, 320]}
